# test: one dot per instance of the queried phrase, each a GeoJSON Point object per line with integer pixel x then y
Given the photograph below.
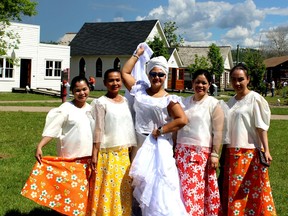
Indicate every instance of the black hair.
{"type": "Point", "coordinates": [107, 72]}
{"type": "Point", "coordinates": [78, 79]}
{"type": "Point", "coordinates": [202, 72]}
{"type": "Point", "coordinates": [240, 66]}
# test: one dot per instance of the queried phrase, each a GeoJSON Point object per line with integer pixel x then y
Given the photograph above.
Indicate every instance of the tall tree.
{"type": "Point", "coordinates": [199, 63]}
{"type": "Point", "coordinates": [158, 47]}
{"type": "Point", "coordinates": [254, 62]}
{"type": "Point", "coordinates": [217, 62]}
{"type": "Point", "coordinates": [169, 30]}
{"type": "Point", "coordinates": [13, 10]}
{"type": "Point", "coordinates": [277, 41]}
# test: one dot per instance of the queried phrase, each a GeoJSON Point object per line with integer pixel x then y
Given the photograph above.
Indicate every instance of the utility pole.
{"type": "Point", "coordinates": [237, 54]}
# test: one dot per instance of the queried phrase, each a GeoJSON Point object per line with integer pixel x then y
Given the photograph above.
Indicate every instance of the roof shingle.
{"type": "Point", "coordinates": [111, 38]}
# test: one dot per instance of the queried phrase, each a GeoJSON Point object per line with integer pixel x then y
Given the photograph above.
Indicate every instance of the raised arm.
{"type": "Point", "coordinates": [127, 77]}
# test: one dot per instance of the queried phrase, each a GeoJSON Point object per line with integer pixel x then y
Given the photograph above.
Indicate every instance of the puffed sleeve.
{"type": "Point", "coordinates": [218, 119]}
{"type": "Point", "coordinates": [225, 134]}
{"type": "Point", "coordinates": [262, 113]}
{"type": "Point", "coordinates": [93, 109]}
{"type": "Point", "coordinates": [54, 123]}
{"type": "Point", "coordinates": [100, 123]}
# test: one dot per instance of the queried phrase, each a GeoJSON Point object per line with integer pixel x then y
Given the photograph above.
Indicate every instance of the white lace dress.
{"type": "Point", "coordinates": [154, 172]}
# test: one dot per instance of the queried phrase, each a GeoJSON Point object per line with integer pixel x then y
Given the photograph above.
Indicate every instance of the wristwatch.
{"type": "Point", "coordinates": [160, 130]}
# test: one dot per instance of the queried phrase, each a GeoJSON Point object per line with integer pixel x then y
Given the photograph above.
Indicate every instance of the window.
{"type": "Point", "coordinates": [99, 68]}
{"type": "Point", "coordinates": [53, 69]}
{"type": "Point", "coordinates": [57, 70]}
{"type": "Point", "coordinates": [1, 67]}
{"type": "Point", "coordinates": [117, 64]}
{"type": "Point", "coordinates": [6, 68]}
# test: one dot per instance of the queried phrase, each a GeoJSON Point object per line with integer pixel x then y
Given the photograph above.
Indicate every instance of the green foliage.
{"type": "Point", "coordinates": [158, 47]}
{"type": "Point", "coordinates": [169, 30]}
{"type": "Point", "coordinates": [13, 10]}
{"type": "Point", "coordinates": [216, 60]}
{"type": "Point", "coordinates": [199, 63]}
{"type": "Point", "coordinates": [254, 61]}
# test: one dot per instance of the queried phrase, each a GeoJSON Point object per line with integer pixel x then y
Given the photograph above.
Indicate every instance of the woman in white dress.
{"type": "Point", "coordinates": [246, 186]}
{"type": "Point", "coordinates": [157, 115]}
{"type": "Point", "coordinates": [198, 148]}
{"type": "Point", "coordinates": [61, 183]}
{"type": "Point", "coordinates": [110, 185]}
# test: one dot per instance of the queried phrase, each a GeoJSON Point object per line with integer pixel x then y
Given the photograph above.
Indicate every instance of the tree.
{"type": "Point", "coordinates": [158, 47]}
{"type": "Point", "coordinates": [277, 41]}
{"type": "Point", "coordinates": [174, 41]}
{"type": "Point", "coordinates": [254, 62]}
{"type": "Point", "coordinates": [199, 63]}
{"type": "Point", "coordinates": [13, 10]}
{"type": "Point", "coordinates": [217, 62]}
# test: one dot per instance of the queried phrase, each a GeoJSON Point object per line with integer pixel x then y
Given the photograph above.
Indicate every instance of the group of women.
{"type": "Point", "coordinates": [162, 157]}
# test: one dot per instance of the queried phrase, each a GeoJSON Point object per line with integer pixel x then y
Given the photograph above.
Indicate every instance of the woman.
{"type": "Point", "coordinates": [198, 148]}
{"type": "Point", "coordinates": [110, 185]}
{"type": "Point", "coordinates": [157, 115]}
{"type": "Point", "coordinates": [246, 186]}
{"type": "Point", "coordinates": [61, 182]}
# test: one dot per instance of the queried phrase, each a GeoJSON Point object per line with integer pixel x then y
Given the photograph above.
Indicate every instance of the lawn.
{"type": "Point", "coordinates": [50, 101]}
{"type": "Point", "coordinates": [20, 133]}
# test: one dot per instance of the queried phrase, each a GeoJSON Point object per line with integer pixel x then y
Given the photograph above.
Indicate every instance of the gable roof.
{"type": "Point", "coordinates": [273, 62]}
{"type": "Point", "coordinates": [111, 38]}
{"type": "Point", "coordinates": [67, 38]}
{"type": "Point", "coordinates": [187, 54]}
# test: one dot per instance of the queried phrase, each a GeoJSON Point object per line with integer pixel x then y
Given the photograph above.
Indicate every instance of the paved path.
{"type": "Point", "coordinates": [46, 109]}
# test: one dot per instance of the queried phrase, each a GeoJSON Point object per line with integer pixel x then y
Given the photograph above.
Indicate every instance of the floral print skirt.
{"type": "Point", "coordinates": [246, 185]}
{"type": "Point", "coordinates": [198, 180]}
{"type": "Point", "coordinates": [110, 186]}
{"type": "Point", "coordinates": [60, 184]}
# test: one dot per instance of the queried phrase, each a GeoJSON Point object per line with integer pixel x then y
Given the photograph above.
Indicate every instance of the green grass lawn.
{"type": "Point", "coordinates": [50, 101]}
{"type": "Point", "coordinates": [20, 133]}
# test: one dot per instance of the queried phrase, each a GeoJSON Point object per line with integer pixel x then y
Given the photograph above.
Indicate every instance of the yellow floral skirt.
{"type": "Point", "coordinates": [110, 190]}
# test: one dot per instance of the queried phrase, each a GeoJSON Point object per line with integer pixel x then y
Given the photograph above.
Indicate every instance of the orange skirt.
{"type": "Point", "coordinates": [60, 184]}
{"type": "Point", "coordinates": [246, 185]}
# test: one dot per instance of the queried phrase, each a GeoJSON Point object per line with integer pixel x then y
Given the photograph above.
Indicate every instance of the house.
{"type": "Point", "coordinates": [188, 53]}
{"type": "Point", "coordinates": [40, 65]}
{"type": "Point", "coordinates": [277, 68]}
{"type": "Point", "coordinates": [104, 45]}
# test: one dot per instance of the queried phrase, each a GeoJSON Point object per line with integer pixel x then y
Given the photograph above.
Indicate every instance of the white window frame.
{"type": "Point", "coordinates": [53, 68]}
{"type": "Point", "coordinates": [5, 68]}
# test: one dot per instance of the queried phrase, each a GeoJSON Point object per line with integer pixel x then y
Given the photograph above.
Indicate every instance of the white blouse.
{"type": "Point", "coordinates": [73, 127]}
{"type": "Point", "coordinates": [245, 116]}
{"type": "Point", "coordinates": [206, 122]}
{"type": "Point", "coordinates": [114, 126]}
{"type": "Point", "coordinates": [150, 112]}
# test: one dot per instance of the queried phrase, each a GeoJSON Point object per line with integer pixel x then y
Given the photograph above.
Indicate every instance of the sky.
{"type": "Point", "coordinates": [199, 22]}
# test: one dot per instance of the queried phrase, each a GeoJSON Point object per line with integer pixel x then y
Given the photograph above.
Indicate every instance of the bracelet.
{"type": "Point", "coordinates": [135, 55]}
{"type": "Point", "coordinates": [213, 154]}
{"type": "Point", "coordinates": [160, 130]}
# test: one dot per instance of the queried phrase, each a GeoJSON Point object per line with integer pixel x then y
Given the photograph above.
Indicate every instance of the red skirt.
{"type": "Point", "coordinates": [60, 184]}
{"type": "Point", "coordinates": [246, 186]}
{"type": "Point", "coordinates": [198, 180]}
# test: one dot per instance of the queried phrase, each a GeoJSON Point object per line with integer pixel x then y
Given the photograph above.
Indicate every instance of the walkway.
{"type": "Point", "coordinates": [46, 109]}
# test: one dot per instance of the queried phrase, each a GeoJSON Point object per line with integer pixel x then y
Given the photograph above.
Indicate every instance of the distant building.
{"type": "Point", "coordinates": [276, 68]}
{"type": "Point", "coordinates": [40, 65]}
{"type": "Point", "coordinates": [187, 55]}
{"type": "Point", "coordinates": [103, 45]}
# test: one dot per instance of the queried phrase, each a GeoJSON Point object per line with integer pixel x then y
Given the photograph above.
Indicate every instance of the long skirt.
{"type": "Point", "coordinates": [246, 186]}
{"type": "Point", "coordinates": [60, 184]}
{"type": "Point", "coordinates": [198, 180]}
{"type": "Point", "coordinates": [110, 186]}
